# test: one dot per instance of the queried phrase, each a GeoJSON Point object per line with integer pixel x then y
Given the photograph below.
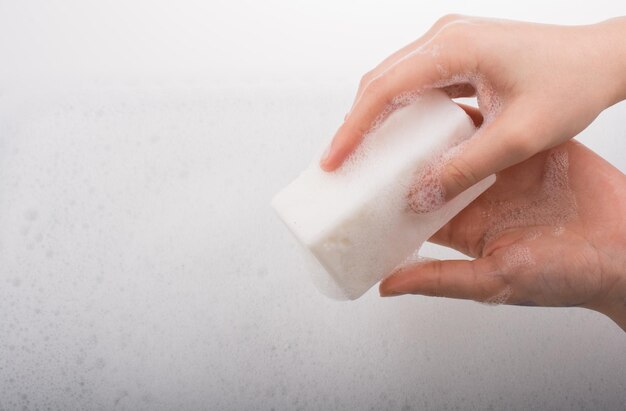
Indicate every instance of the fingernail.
{"type": "Point", "coordinates": [390, 293]}
{"type": "Point", "coordinates": [387, 287]}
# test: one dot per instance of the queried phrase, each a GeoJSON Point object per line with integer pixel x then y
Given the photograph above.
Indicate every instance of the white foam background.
{"type": "Point", "coordinates": [141, 266]}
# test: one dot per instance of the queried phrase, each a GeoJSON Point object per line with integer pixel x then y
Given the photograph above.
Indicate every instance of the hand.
{"type": "Point", "coordinates": [550, 232]}
{"type": "Point", "coordinates": [537, 86]}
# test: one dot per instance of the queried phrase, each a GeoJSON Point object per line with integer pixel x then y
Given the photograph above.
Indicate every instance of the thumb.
{"type": "Point", "coordinates": [477, 280]}
{"type": "Point", "coordinates": [497, 145]}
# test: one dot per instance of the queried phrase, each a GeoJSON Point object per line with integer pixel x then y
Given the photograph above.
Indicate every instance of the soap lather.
{"type": "Point", "coordinates": [355, 223]}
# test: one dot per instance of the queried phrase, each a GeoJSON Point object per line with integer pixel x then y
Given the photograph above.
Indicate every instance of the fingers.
{"type": "Point", "coordinates": [395, 57]}
{"type": "Point", "coordinates": [506, 141]}
{"type": "Point", "coordinates": [415, 71]}
{"type": "Point", "coordinates": [473, 113]}
{"type": "Point", "coordinates": [376, 97]}
{"type": "Point", "coordinates": [466, 231]}
{"type": "Point", "coordinates": [460, 90]}
{"type": "Point", "coordinates": [471, 280]}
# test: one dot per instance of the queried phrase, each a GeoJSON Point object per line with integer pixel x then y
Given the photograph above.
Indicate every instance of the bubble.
{"type": "Point", "coordinates": [427, 193]}
{"type": "Point", "coordinates": [517, 256]}
{"type": "Point", "coordinates": [552, 204]}
{"type": "Point", "coordinates": [443, 72]}
{"type": "Point", "coordinates": [489, 102]}
{"type": "Point", "coordinates": [532, 235]}
{"type": "Point", "coordinates": [404, 99]}
{"type": "Point", "coordinates": [401, 100]}
{"type": "Point", "coordinates": [430, 48]}
{"type": "Point", "coordinates": [500, 298]}
{"type": "Point", "coordinates": [416, 259]}
{"type": "Point", "coordinates": [555, 175]}
{"type": "Point", "coordinates": [358, 221]}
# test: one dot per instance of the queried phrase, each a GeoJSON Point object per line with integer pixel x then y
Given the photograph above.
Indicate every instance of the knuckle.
{"type": "Point", "coordinates": [434, 287]}
{"type": "Point", "coordinates": [461, 173]}
{"type": "Point", "coordinates": [464, 35]}
{"type": "Point", "coordinates": [375, 87]}
{"type": "Point", "coordinates": [447, 18]}
{"type": "Point", "coordinates": [455, 31]}
{"type": "Point", "coordinates": [353, 129]}
{"type": "Point", "coordinates": [360, 129]}
{"type": "Point", "coordinates": [365, 79]}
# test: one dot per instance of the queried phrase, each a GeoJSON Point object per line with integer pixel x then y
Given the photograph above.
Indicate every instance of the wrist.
{"type": "Point", "coordinates": [612, 303]}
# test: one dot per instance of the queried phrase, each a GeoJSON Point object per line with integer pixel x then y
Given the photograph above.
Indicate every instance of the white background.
{"type": "Point", "coordinates": [142, 268]}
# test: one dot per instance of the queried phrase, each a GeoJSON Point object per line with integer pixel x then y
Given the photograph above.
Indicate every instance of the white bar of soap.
{"type": "Point", "coordinates": [356, 221]}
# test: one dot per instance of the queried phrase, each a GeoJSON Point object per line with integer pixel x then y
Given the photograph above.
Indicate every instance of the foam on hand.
{"type": "Point", "coordinates": [357, 223]}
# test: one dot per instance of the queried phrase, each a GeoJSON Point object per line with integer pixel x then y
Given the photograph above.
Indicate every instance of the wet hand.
{"type": "Point", "coordinates": [537, 86]}
{"type": "Point", "coordinates": [549, 232]}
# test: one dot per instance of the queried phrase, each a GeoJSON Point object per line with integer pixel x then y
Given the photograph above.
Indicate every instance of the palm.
{"type": "Point", "coordinates": [536, 235]}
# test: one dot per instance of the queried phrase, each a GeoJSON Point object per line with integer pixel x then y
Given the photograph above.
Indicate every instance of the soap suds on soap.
{"type": "Point", "coordinates": [427, 192]}
{"type": "Point", "coordinates": [401, 100]}
{"type": "Point", "coordinates": [356, 221]}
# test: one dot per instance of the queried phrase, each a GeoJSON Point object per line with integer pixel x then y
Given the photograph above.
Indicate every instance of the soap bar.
{"type": "Point", "coordinates": [355, 222]}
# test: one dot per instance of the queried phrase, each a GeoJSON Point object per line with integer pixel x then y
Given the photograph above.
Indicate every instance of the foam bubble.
{"type": "Point", "coordinates": [552, 204]}
{"type": "Point", "coordinates": [401, 100]}
{"type": "Point", "coordinates": [442, 70]}
{"type": "Point", "coordinates": [455, 85]}
{"type": "Point", "coordinates": [416, 259]}
{"type": "Point", "coordinates": [500, 298]}
{"type": "Point", "coordinates": [356, 221]}
{"type": "Point", "coordinates": [489, 102]}
{"type": "Point", "coordinates": [517, 256]}
{"type": "Point", "coordinates": [404, 99]}
{"type": "Point", "coordinates": [555, 175]}
{"type": "Point", "coordinates": [427, 193]}
{"type": "Point", "coordinates": [532, 235]}
{"type": "Point", "coordinates": [430, 48]}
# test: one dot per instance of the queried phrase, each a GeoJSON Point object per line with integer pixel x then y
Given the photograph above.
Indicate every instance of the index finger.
{"type": "Point", "coordinates": [413, 73]}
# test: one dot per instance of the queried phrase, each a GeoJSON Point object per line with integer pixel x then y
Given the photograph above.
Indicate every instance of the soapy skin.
{"type": "Point", "coordinates": [570, 251]}
{"type": "Point", "coordinates": [537, 86]}
{"type": "Point", "coordinates": [355, 224]}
